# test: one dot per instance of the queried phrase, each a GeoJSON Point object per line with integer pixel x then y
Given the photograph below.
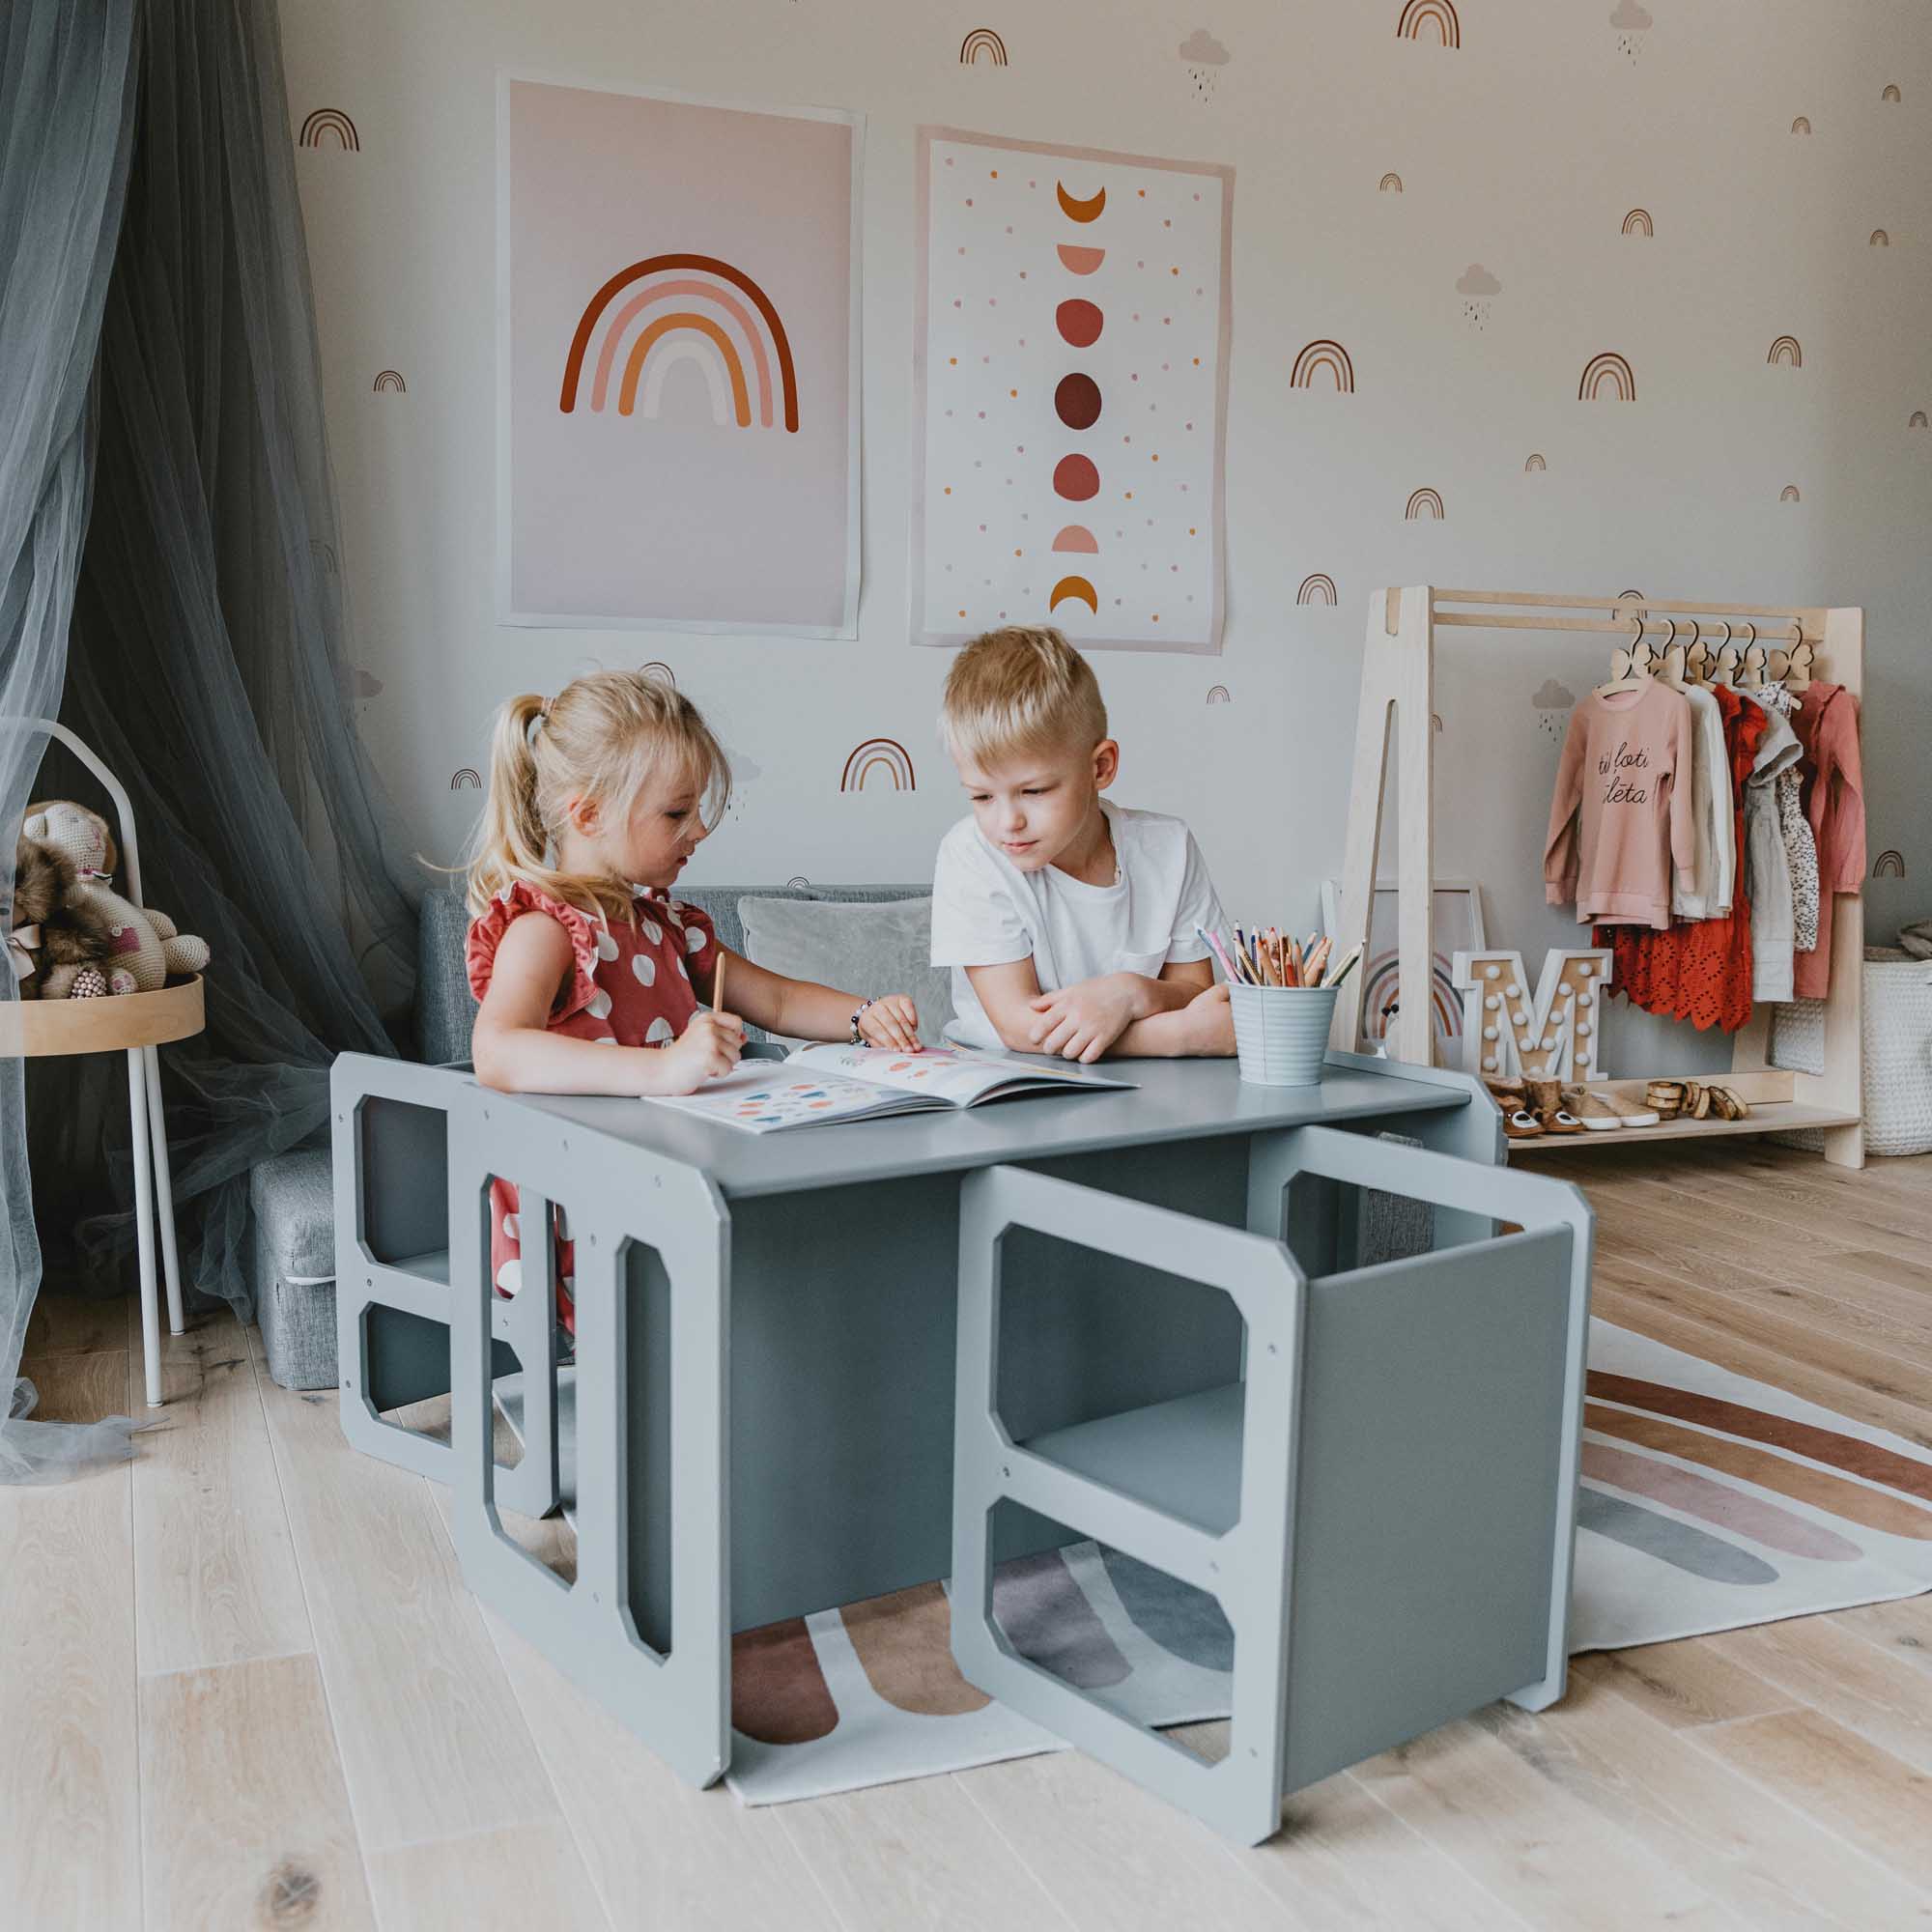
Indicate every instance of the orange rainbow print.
{"type": "Point", "coordinates": [1078, 261]}
{"type": "Point", "coordinates": [1890, 864]}
{"type": "Point", "coordinates": [1389, 185]}
{"type": "Point", "coordinates": [1422, 503]}
{"type": "Point", "coordinates": [1637, 222]}
{"type": "Point", "coordinates": [1607, 370]}
{"type": "Point", "coordinates": [1079, 589]}
{"type": "Point", "coordinates": [1322, 353]}
{"type": "Point", "coordinates": [1533, 462]}
{"type": "Point", "coordinates": [1789, 494]}
{"type": "Point", "coordinates": [1802, 125]}
{"type": "Point", "coordinates": [983, 47]}
{"type": "Point", "coordinates": [1074, 209]}
{"type": "Point", "coordinates": [1880, 239]}
{"type": "Point", "coordinates": [466, 780]}
{"type": "Point", "coordinates": [1438, 13]}
{"type": "Point", "coordinates": [1217, 694]}
{"type": "Point", "coordinates": [886, 754]}
{"type": "Point", "coordinates": [1785, 353]}
{"type": "Point", "coordinates": [330, 121]}
{"type": "Point", "coordinates": [1078, 539]}
{"type": "Point", "coordinates": [390, 381]}
{"type": "Point", "coordinates": [702, 317]}
{"type": "Point", "coordinates": [1316, 589]}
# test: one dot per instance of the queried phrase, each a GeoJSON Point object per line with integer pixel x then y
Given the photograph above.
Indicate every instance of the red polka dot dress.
{"type": "Point", "coordinates": [629, 985]}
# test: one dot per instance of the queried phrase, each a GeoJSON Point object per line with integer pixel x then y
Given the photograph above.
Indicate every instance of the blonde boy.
{"type": "Point", "coordinates": [1069, 920]}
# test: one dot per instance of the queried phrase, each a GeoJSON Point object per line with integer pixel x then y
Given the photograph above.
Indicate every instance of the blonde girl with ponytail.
{"type": "Point", "coordinates": [589, 973]}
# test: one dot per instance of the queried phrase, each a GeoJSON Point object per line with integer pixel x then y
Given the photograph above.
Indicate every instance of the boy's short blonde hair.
{"type": "Point", "coordinates": [1018, 689]}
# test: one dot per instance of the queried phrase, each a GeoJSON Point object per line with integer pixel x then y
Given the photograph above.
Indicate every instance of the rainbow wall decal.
{"type": "Point", "coordinates": [1789, 494]}
{"type": "Point", "coordinates": [700, 315]}
{"type": "Point", "coordinates": [1639, 222]}
{"type": "Point", "coordinates": [1880, 239]}
{"type": "Point", "coordinates": [1440, 15]}
{"type": "Point", "coordinates": [1890, 865]}
{"type": "Point", "coordinates": [466, 780]}
{"type": "Point", "coordinates": [389, 383]}
{"type": "Point", "coordinates": [1322, 353]}
{"type": "Point", "coordinates": [330, 121]}
{"type": "Point", "coordinates": [1891, 93]}
{"type": "Point", "coordinates": [1607, 370]}
{"type": "Point", "coordinates": [1217, 694]}
{"type": "Point", "coordinates": [659, 670]}
{"type": "Point", "coordinates": [1786, 353]}
{"type": "Point", "coordinates": [1533, 464]}
{"type": "Point", "coordinates": [1389, 185]}
{"type": "Point", "coordinates": [1422, 503]}
{"type": "Point", "coordinates": [886, 754]}
{"type": "Point", "coordinates": [1630, 597]}
{"type": "Point", "coordinates": [799, 883]}
{"type": "Point", "coordinates": [1802, 125]}
{"type": "Point", "coordinates": [1917, 421]}
{"type": "Point", "coordinates": [983, 47]}
{"type": "Point", "coordinates": [1316, 589]}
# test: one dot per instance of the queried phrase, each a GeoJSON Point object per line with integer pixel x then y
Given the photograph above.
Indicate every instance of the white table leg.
{"type": "Point", "coordinates": [164, 1187]}
{"type": "Point", "coordinates": [144, 1223]}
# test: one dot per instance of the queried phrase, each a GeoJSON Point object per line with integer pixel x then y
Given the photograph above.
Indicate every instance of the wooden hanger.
{"type": "Point", "coordinates": [1798, 666]}
{"type": "Point", "coordinates": [1629, 669]}
{"type": "Point", "coordinates": [1670, 669]}
{"type": "Point", "coordinates": [1697, 661]}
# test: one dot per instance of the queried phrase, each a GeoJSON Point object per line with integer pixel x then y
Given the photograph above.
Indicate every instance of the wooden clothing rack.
{"type": "Point", "coordinates": [1397, 708]}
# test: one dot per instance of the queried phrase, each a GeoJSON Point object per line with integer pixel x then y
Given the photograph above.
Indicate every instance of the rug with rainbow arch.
{"type": "Point", "coordinates": [1709, 1501]}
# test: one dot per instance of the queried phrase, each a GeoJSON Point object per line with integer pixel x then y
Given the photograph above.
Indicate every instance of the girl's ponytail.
{"type": "Point", "coordinates": [510, 842]}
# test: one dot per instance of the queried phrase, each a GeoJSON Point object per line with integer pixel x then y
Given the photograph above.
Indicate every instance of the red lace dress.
{"type": "Point", "coordinates": [629, 985]}
{"type": "Point", "coordinates": [1700, 970]}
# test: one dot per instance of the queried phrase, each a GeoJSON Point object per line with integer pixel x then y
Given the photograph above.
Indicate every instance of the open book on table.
{"type": "Point", "coordinates": [822, 1082]}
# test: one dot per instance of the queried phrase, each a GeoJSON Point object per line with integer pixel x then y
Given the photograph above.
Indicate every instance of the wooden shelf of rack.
{"type": "Point", "coordinates": [45, 1029]}
{"type": "Point", "coordinates": [1774, 1118]}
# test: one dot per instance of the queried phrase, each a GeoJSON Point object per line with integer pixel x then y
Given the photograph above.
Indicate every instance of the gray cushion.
{"type": "Point", "coordinates": [878, 948]}
{"type": "Point", "coordinates": [294, 1266]}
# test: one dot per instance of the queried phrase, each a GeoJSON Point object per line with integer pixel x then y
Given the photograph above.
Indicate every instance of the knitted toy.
{"type": "Point", "coordinates": [92, 933]}
{"type": "Point", "coordinates": [50, 928]}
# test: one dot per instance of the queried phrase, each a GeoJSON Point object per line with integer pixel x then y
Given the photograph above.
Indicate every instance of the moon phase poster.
{"type": "Point", "coordinates": [1070, 379]}
{"type": "Point", "coordinates": [678, 342]}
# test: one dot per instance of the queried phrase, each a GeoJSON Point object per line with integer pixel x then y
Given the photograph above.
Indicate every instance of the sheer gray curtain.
{"type": "Point", "coordinates": [207, 664]}
{"type": "Point", "coordinates": [67, 114]}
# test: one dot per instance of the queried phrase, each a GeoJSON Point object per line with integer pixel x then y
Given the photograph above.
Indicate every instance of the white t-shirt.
{"type": "Point", "coordinates": [986, 912]}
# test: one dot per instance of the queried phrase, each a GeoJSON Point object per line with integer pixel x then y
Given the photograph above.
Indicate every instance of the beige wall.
{"type": "Point", "coordinates": [1523, 150]}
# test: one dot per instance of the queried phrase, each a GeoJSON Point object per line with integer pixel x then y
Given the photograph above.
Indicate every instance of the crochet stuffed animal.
{"type": "Point", "coordinates": [50, 927]}
{"type": "Point", "coordinates": [145, 948]}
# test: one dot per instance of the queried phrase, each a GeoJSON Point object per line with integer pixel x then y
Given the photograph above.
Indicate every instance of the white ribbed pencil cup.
{"type": "Point", "coordinates": [1280, 1033]}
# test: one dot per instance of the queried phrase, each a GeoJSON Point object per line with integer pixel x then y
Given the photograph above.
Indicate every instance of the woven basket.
{"type": "Point", "coordinates": [1897, 1053]}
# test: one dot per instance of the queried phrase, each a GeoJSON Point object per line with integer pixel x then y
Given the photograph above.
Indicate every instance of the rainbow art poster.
{"type": "Point", "coordinates": [1070, 356]}
{"type": "Point", "coordinates": [677, 349]}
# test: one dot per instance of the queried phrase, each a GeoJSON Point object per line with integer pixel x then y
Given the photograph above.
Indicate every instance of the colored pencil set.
{"type": "Point", "coordinates": [1271, 957]}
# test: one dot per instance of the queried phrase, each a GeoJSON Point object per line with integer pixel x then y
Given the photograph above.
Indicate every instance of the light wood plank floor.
{"type": "Point", "coordinates": [244, 1685]}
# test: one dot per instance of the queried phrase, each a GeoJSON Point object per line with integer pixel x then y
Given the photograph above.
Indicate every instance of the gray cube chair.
{"type": "Point", "coordinates": [1384, 1506]}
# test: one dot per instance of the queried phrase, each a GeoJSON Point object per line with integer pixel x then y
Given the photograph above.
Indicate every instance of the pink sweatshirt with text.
{"type": "Point", "coordinates": [1625, 808]}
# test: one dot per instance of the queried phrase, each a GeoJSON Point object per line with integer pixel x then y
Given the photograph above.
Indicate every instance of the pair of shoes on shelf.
{"type": "Point", "coordinates": [1606, 1111]}
{"type": "Point", "coordinates": [1534, 1108]}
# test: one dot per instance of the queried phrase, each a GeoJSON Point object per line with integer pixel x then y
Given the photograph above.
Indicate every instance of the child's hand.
{"type": "Point", "coordinates": [1209, 1019]}
{"type": "Point", "coordinates": [891, 1020]}
{"type": "Point", "coordinates": [1081, 1022]}
{"type": "Point", "coordinates": [710, 1046]}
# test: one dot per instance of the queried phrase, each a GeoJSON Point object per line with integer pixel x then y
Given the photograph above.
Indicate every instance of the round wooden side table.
{"type": "Point", "coordinates": [136, 1024]}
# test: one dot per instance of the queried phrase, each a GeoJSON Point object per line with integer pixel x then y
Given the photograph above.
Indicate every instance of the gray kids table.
{"type": "Point", "coordinates": [768, 1339]}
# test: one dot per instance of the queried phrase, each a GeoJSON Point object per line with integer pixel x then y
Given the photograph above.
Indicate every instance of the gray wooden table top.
{"type": "Point", "coordinates": [1170, 1100]}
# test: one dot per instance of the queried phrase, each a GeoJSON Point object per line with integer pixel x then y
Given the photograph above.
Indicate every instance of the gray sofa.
{"type": "Point", "coordinates": [292, 1249]}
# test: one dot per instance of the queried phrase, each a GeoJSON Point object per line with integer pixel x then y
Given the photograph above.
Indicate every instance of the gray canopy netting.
{"type": "Point", "coordinates": [171, 566]}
